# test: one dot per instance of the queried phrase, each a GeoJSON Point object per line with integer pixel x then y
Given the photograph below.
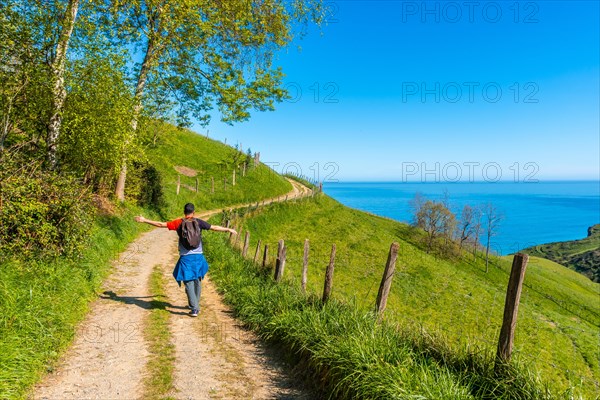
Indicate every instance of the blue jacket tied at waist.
{"type": "Point", "coordinates": [190, 267]}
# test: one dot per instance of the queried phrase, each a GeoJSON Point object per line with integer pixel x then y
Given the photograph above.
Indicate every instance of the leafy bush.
{"type": "Point", "coordinates": [42, 213]}
{"type": "Point", "coordinates": [152, 195]}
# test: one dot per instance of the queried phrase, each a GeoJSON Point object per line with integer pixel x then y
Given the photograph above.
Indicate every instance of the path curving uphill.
{"type": "Point", "coordinates": [214, 356]}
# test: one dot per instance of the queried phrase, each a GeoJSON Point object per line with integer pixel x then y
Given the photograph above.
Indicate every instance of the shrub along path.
{"type": "Point", "coordinates": [114, 355]}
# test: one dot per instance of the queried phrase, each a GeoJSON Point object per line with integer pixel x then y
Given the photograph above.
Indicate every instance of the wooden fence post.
{"type": "Point", "coordinates": [329, 276]}
{"type": "Point", "coordinates": [237, 239]}
{"type": "Point", "coordinates": [280, 263]}
{"type": "Point", "coordinates": [305, 265]}
{"type": "Point", "coordinates": [265, 256]}
{"type": "Point", "coordinates": [257, 252]}
{"type": "Point", "coordinates": [386, 280]}
{"type": "Point", "coordinates": [224, 183]}
{"type": "Point", "coordinates": [178, 183]}
{"type": "Point", "coordinates": [196, 185]}
{"type": "Point", "coordinates": [230, 233]}
{"type": "Point", "coordinates": [233, 178]}
{"type": "Point", "coordinates": [212, 184]}
{"type": "Point", "coordinates": [511, 308]}
{"type": "Point", "coordinates": [246, 244]}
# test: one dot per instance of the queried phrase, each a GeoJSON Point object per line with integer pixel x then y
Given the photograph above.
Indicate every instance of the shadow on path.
{"type": "Point", "coordinates": [139, 301]}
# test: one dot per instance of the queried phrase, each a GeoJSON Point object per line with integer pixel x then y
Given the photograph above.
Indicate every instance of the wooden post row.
{"type": "Point", "coordinates": [257, 252]}
{"type": "Point", "coordinates": [280, 263]}
{"type": "Point", "coordinates": [246, 244]}
{"type": "Point", "coordinates": [305, 265]}
{"type": "Point", "coordinates": [386, 280]}
{"type": "Point", "coordinates": [511, 308]}
{"type": "Point", "coordinates": [329, 276]}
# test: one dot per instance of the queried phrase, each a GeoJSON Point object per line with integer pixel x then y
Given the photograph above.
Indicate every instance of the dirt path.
{"type": "Point", "coordinates": [215, 356]}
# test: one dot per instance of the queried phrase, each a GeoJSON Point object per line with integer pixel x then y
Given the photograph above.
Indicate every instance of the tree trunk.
{"type": "Point", "coordinates": [58, 71]}
{"type": "Point", "coordinates": [487, 254]}
{"type": "Point", "coordinates": [137, 109]}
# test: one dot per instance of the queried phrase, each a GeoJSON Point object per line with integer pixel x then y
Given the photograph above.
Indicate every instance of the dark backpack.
{"type": "Point", "coordinates": [189, 233]}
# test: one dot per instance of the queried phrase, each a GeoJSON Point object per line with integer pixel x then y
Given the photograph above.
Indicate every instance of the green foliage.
{"type": "Point", "coordinates": [200, 54]}
{"type": "Point", "coordinates": [43, 300]}
{"type": "Point", "coordinates": [41, 213]}
{"type": "Point", "coordinates": [451, 297]}
{"type": "Point", "coordinates": [581, 255]}
{"type": "Point", "coordinates": [342, 351]}
{"type": "Point", "coordinates": [24, 73]}
{"type": "Point", "coordinates": [97, 132]}
{"type": "Point", "coordinates": [151, 195]}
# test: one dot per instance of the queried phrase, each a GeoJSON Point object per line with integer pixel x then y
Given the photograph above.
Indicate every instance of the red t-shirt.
{"type": "Point", "coordinates": [174, 226]}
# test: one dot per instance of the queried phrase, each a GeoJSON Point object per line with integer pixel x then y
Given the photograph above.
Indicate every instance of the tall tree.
{"type": "Point", "coordinates": [465, 225]}
{"type": "Point", "coordinates": [59, 92]}
{"type": "Point", "coordinates": [207, 53]}
{"type": "Point", "coordinates": [435, 218]}
{"type": "Point", "coordinates": [476, 229]}
{"type": "Point", "coordinates": [492, 219]}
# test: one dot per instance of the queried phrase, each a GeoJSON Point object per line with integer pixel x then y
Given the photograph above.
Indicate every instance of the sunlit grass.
{"type": "Point", "coordinates": [559, 316]}
{"type": "Point", "coordinates": [345, 353]}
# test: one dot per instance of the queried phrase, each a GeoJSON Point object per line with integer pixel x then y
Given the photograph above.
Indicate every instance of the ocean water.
{"type": "Point", "coordinates": [533, 213]}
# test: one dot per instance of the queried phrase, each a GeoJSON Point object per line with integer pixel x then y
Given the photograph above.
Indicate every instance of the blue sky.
{"type": "Point", "coordinates": [394, 90]}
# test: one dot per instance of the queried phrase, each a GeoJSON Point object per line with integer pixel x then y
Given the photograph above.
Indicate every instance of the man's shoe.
{"type": "Point", "coordinates": [194, 313]}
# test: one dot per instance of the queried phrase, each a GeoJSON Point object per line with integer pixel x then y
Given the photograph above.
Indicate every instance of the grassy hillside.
{"type": "Point", "coordinates": [581, 255]}
{"type": "Point", "coordinates": [559, 315]}
{"type": "Point", "coordinates": [343, 352]}
{"type": "Point", "coordinates": [43, 299]}
{"type": "Point", "coordinates": [204, 158]}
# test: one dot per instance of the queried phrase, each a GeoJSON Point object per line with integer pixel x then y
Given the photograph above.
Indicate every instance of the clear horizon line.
{"type": "Point", "coordinates": [580, 180]}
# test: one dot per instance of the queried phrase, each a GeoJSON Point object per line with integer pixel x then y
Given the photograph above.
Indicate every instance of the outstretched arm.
{"type": "Point", "coordinates": [222, 229]}
{"type": "Point", "coordinates": [158, 224]}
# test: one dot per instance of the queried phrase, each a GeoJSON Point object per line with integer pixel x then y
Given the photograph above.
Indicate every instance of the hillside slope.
{"type": "Point", "coordinates": [187, 156]}
{"type": "Point", "coordinates": [42, 300]}
{"type": "Point", "coordinates": [581, 255]}
{"type": "Point", "coordinates": [454, 298]}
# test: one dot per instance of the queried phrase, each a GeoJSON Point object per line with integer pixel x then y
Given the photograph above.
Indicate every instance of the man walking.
{"type": "Point", "coordinates": [191, 266]}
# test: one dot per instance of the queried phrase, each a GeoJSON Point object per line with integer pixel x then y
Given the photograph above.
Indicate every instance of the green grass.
{"type": "Point", "coordinates": [158, 383]}
{"type": "Point", "coordinates": [341, 350]}
{"type": "Point", "coordinates": [451, 298]}
{"type": "Point", "coordinates": [178, 147]}
{"type": "Point", "coordinates": [41, 302]}
{"type": "Point", "coordinates": [581, 255]}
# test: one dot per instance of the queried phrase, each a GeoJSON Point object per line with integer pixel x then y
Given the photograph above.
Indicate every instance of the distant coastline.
{"type": "Point", "coordinates": [534, 213]}
{"type": "Point", "coordinates": [582, 255]}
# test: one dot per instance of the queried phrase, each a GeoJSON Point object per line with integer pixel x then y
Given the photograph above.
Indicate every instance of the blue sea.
{"type": "Point", "coordinates": [533, 213]}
